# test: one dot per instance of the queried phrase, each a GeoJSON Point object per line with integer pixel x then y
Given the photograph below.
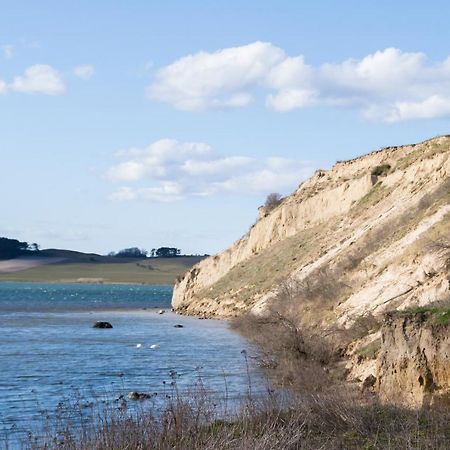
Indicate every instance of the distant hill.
{"type": "Point", "coordinates": [59, 265]}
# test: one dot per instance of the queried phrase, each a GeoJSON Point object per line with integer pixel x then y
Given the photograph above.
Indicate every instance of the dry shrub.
{"type": "Point", "coordinates": [324, 285]}
{"type": "Point", "coordinates": [296, 358]}
{"type": "Point", "coordinates": [363, 325]}
{"type": "Point", "coordinates": [287, 423]}
{"type": "Point", "coordinates": [272, 201]}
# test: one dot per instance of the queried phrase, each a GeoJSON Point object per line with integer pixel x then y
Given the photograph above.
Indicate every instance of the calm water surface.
{"type": "Point", "coordinates": [48, 348]}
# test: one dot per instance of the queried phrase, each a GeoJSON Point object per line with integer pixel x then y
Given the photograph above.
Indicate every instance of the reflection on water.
{"type": "Point", "coordinates": [48, 348]}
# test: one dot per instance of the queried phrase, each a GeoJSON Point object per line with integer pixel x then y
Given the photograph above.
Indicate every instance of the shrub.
{"type": "Point", "coordinates": [294, 356]}
{"type": "Point", "coordinates": [272, 201]}
{"type": "Point", "coordinates": [381, 171]}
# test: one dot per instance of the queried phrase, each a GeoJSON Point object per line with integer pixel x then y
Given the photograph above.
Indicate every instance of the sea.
{"type": "Point", "coordinates": [50, 352]}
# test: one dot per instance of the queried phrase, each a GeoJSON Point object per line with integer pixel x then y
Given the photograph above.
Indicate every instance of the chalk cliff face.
{"type": "Point", "coordinates": [360, 232]}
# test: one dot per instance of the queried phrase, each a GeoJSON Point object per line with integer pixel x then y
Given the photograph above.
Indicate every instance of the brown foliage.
{"type": "Point", "coordinates": [288, 423]}
{"type": "Point", "coordinates": [296, 358]}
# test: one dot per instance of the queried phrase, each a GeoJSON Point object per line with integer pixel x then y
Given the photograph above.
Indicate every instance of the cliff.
{"type": "Point", "coordinates": [414, 364]}
{"type": "Point", "coordinates": [351, 244]}
{"type": "Point", "coordinates": [371, 216]}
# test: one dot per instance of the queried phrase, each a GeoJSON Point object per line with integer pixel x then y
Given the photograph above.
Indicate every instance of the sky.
{"type": "Point", "coordinates": [167, 123]}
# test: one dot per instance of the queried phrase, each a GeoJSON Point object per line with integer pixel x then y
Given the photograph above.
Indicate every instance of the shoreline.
{"type": "Point", "coordinates": [87, 282]}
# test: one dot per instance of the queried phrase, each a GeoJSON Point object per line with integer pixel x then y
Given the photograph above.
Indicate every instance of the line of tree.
{"type": "Point", "coordinates": [12, 248]}
{"type": "Point", "coordinates": [165, 252]}
{"type": "Point", "coordinates": [131, 252]}
{"type": "Point", "coordinates": [135, 252]}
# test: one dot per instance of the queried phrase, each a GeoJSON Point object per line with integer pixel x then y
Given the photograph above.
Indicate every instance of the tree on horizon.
{"type": "Point", "coordinates": [12, 248]}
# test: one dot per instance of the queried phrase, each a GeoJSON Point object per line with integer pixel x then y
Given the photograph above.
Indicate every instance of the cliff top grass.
{"type": "Point", "coordinates": [425, 150]}
{"type": "Point", "coordinates": [434, 314]}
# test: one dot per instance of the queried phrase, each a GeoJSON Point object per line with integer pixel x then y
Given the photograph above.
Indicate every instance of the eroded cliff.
{"type": "Point", "coordinates": [369, 236]}
{"type": "Point", "coordinates": [414, 361]}
{"type": "Point", "coordinates": [368, 219]}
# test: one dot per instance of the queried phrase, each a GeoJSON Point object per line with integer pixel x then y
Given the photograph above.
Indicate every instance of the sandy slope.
{"type": "Point", "coordinates": [369, 231]}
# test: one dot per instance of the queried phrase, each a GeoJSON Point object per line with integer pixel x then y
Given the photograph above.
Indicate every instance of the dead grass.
{"type": "Point", "coordinates": [437, 234]}
{"type": "Point", "coordinates": [287, 423]}
{"type": "Point", "coordinates": [426, 151]}
{"type": "Point", "coordinates": [268, 268]}
{"type": "Point", "coordinates": [374, 196]}
{"type": "Point", "coordinates": [370, 351]}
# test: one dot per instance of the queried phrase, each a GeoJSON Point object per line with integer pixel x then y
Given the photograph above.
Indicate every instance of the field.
{"type": "Point", "coordinates": [106, 270]}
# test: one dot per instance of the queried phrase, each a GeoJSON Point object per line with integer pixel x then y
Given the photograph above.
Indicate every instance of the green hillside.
{"type": "Point", "coordinates": [81, 267]}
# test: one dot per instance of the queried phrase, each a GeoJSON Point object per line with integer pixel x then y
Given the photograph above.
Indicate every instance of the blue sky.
{"type": "Point", "coordinates": [167, 123]}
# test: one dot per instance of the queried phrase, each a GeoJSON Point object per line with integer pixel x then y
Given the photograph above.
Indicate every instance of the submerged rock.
{"type": "Point", "coordinates": [100, 324]}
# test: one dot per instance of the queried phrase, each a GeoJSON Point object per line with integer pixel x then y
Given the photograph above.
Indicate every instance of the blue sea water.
{"type": "Point", "coordinates": [48, 348]}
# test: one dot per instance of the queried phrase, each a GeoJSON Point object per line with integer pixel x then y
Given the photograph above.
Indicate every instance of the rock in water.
{"type": "Point", "coordinates": [178, 326]}
{"type": "Point", "coordinates": [138, 396]}
{"type": "Point", "coordinates": [102, 325]}
{"type": "Point", "coordinates": [161, 311]}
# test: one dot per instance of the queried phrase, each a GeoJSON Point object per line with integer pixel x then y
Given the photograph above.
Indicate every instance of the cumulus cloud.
{"type": "Point", "coordinates": [169, 170]}
{"type": "Point", "coordinates": [3, 87]}
{"type": "Point", "coordinates": [429, 108]}
{"type": "Point", "coordinates": [388, 85]}
{"type": "Point", "coordinates": [215, 80]}
{"type": "Point", "coordinates": [159, 160]}
{"type": "Point", "coordinates": [84, 71]}
{"type": "Point", "coordinates": [39, 79]}
{"type": "Point", "coordinates": [289, 99]}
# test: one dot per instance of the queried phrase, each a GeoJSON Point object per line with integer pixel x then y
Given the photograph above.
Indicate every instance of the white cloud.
{"type": "Point", "coordinates": [434, 106]}
{"type": "Point", "coordinates": [39, 79]}
{"type": "Point", "coordinates": [388, 85]}
{"type": "Point", "coordinates": [169, 170]}
{"type": "Point", "coordinates": [289, 99]}
{"type": "Point", "coordinates": [7, 50]}
{"type": "Point", "coordinates": [128, 171]}
{"type": "Point", "coordinates": [158, 160]}
{"type": "Point", "coordinates": [215, 80]}
{"type": "Point", "coordinates": [380, 73]}
{"type": "Point", "coordinates": [84, 71]}
{"type": "Point", "coordinates": [289, 73]}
